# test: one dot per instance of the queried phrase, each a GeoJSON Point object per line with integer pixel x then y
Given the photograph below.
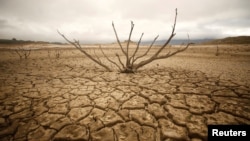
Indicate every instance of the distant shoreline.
{"type": "Point", "coordinates": [228, 40]}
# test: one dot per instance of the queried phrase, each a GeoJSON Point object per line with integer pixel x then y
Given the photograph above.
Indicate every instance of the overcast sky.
{"type": "Point", "coordinates": [91, 20]}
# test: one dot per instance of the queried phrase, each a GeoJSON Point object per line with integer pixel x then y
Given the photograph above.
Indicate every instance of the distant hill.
{"type": "Point", "coordinates": [228, 40]}
{"type": "Point", "coordinates": [177, 41]}
{"type": "Point", "coordinates": [14, 41]}
{"type": "Point", "coordinates": [231, 40]}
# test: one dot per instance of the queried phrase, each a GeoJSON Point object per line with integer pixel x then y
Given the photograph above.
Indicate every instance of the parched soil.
{"type": "Point", "coordinates": [70, 98]}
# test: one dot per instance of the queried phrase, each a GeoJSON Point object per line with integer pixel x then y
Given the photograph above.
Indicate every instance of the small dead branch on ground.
{"type": "Point", "coordinates": [49, 54]}
{"type": "Point", "coordinates": [23, 53]}
{"type": "Point", "coordinates": [217, 51]}
{"type": "Point", "coordinates": [57, 54]}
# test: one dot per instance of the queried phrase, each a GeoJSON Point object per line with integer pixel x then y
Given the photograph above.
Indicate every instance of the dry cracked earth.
{"type": "Point", "coordinates": [53, 101]}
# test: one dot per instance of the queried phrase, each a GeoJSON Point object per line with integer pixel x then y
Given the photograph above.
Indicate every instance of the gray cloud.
{"type": "Point", "coordinates": [90, 20]}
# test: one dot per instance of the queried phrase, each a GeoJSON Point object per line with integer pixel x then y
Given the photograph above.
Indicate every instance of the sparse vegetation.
{"type": "Point", "coordinates": [217, 50]}
{"type": "Point", "coordinates": [23, 53]}
{"type": "Point", "coordinates": [57, 53]}
{"type": "Point", "coordinates": [49, 54]}
{"type": "Point", "coordinates": [131, 63]}
{"type": "Point", "coordinates": [54, 53]}
{"type": "Point", "coordinates": [231, 40]}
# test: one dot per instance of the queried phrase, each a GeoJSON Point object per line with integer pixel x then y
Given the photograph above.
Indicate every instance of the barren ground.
{"type": "Point", "coordinates": [70, 98]}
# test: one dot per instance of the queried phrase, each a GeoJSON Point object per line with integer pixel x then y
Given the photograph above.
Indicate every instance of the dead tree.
{"type": "Point", "coordinates": [21, 52]}
{"type": "Point", "coordinates": [131, 63]}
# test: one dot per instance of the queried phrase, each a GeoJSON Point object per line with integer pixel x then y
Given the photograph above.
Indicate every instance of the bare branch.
{"type": "Point", "coordinates": [78, 46]}
{"type": "Point", "coordinates": [118, 41]}
{"type": "Point", "coordinates": [169, 54]}
{"type": "Point", "coordinates": [170, 37]}
{"type": "Point", "coordinates": [98, 58]}
{"type": "Point", "coordinates": [147, 49]}
{"type": "Point", "coordinates": [18, 53]}
{"type": "Point", "coordinates": [131, 30]}
{"type": "Point", "coordinates": [66, 38]}
{"type": "Point", "coordinates": [119, 59]}
{"type": "Point", "coordinates": [109, 59]}
{"type": "Point", "coordinates": [137, 48]}
{"type": "Point", "coordinates": [154, 57]}
{"type": "Point", "coordinates": [27, 53]}
{"type": "Point", "coordinates": [145, 62]}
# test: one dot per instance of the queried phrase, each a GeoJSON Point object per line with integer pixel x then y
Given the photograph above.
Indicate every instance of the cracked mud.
{"type": "Point", "coordinates": [52, 101]}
